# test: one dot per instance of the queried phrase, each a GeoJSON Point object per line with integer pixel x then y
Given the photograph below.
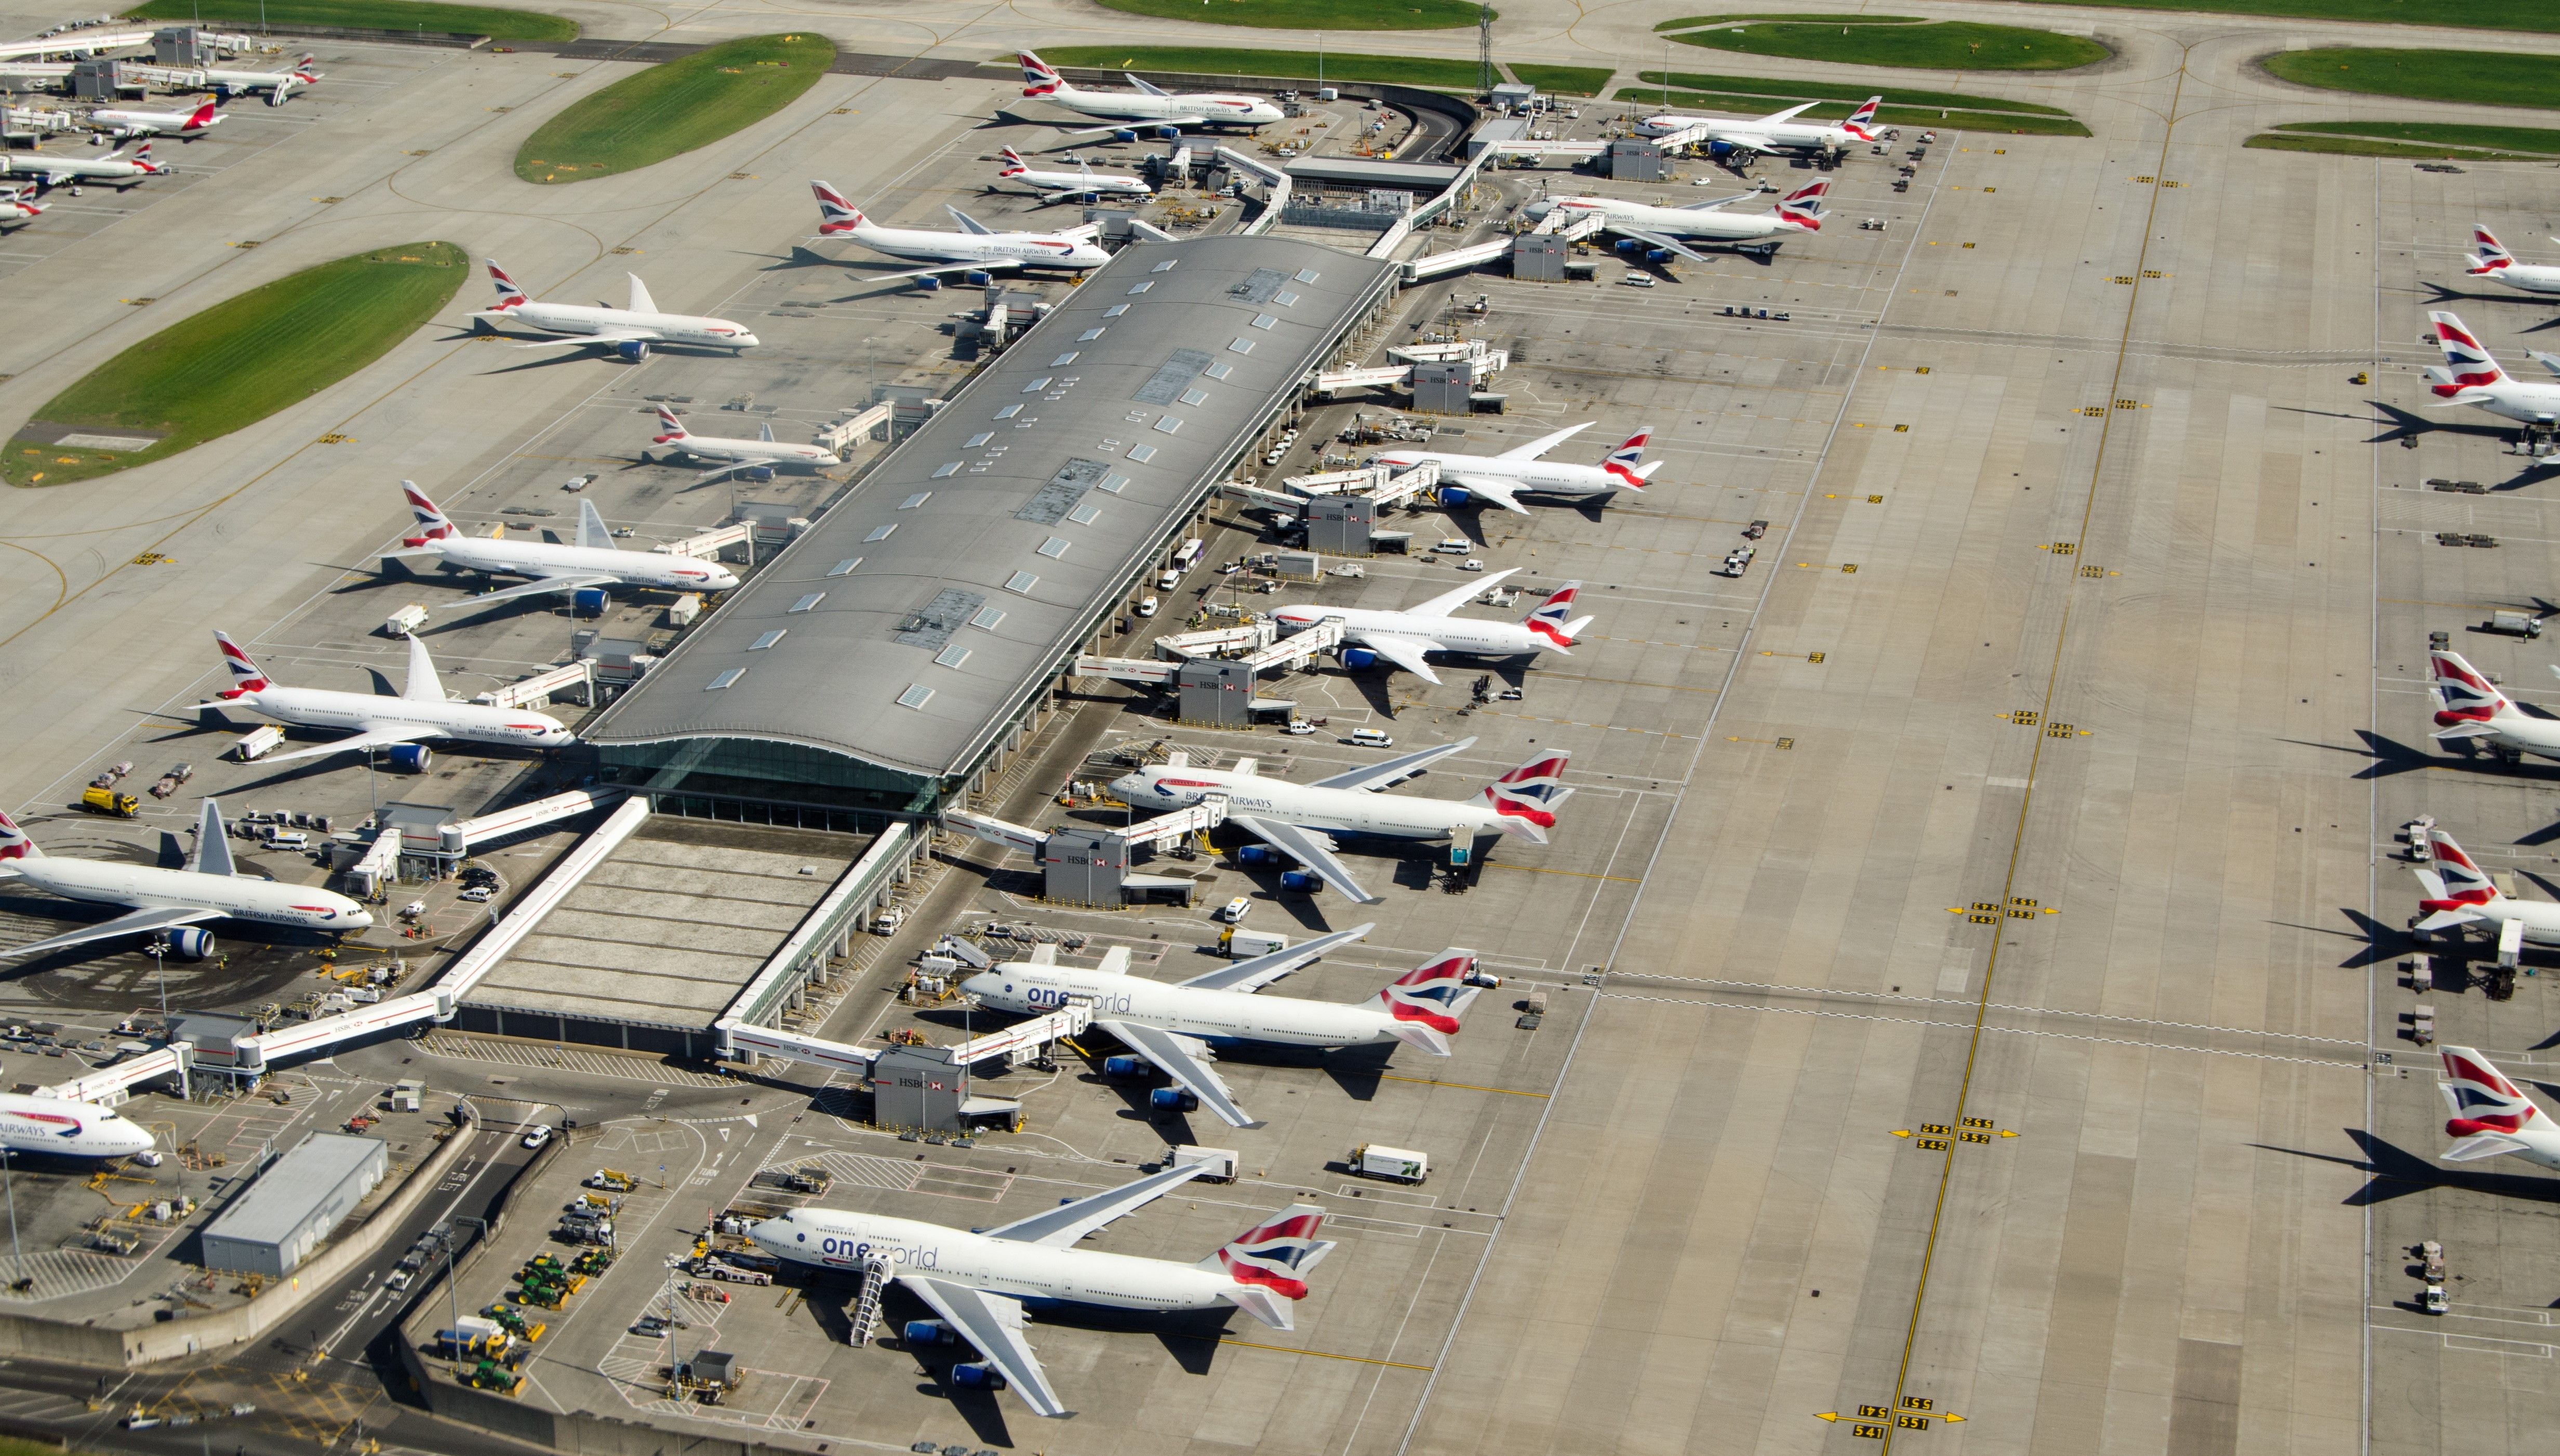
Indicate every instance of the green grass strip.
{"type": "Point", "coordinates": [669, 109]}
{"type": "Point", "coordinates": [1788, 90]}
{"type": "Point", "coordinates": [1935, 46]}
{"type": "Point", "coordinates": [1309, 15]}
{"type": "Point", "coordinates": [1565, 81]}
{"type": "Point", "coordinates": [244, 358]}
{"type": "Point", "coordinates": [2480, 78]}
{"type": "Point", "coordinates": [2365, 146]}
{"type": "Point", "coordinates": [2528, 17]}
{"type": "Point", "coordinates": [1444, 75]}
{"type": "Point", "coordinates": [1907, 118]}
{"type": "Point", "coordinates": [2440, 133]}
{"type": "Point", "coordinates": [1692, 22]}
{"type": "Point", "coordinates": [373, 15]}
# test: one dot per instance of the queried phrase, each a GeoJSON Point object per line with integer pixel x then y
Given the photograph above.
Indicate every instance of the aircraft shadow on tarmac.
{"type": "Point", "coordinates": [2397, 1173]}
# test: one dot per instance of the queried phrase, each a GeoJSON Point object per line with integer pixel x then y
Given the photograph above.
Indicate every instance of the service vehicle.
{"type": "Point", "coordinates": [538, 1137]}
{"type": "Point", "coordinates": [1233, 910]}
{"type": "Point", "coordinates": [1395, 1165]}
{"type": "Point", "coordinates": [1370, 738]}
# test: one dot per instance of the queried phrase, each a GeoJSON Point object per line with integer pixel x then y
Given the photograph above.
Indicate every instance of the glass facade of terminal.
{"type": "Point", "coordinates": [734, 773]}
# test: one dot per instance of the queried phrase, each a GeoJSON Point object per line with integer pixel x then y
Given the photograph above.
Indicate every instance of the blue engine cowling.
{"type": "Point", "coordinates": [632, 350]}
{"type": "Point", "coordinates": [409, 757]}
{"type": "Point", "coordinates": [1173, 1099]}
{"type": "Point", "coordinates": [977, 1375]}
{"type": "Point", "coordinates": [1127, 1066]}
{"type": "Point", "coordinates": [1356, 657]}
{"type": "Point", "coordinates": [1630, 247]}
{"type": "Point", "coordinates": [1453, 495]}
{"type": "Point", "coordinates": [1658, 254]}
{"type": "Point", "coordinates": [1168, 133]}
{"type": "Point", "coordinates": [189, 942]}
{"type": "Point", "coordinates": [980, 278]}
{"type": "Point", "coordinates": [1301, 881]}
{"type": "Point", "coordinates": [1123, 135]}
{"type": "Point", "coordinates": [758, 474]}
{"type": "Point", "coordinates": [1259, 854]}
{"type": "Point", "coordinates": [586, 601]}
{"type": "Point", "coordinates": [929, 282]}
{"type": "Point", "coordinates": [1722, 150]}
{"type": "Point", "coordinates": [926, 1332]}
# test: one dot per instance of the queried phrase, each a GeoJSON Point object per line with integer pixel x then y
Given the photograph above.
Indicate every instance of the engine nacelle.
{"type": "Point", "coordinates": [1629, 246]}
{"type": "Point", "coordinates": [189, 942]}
{"type": "Point", "coordinates": [1173, 1099]}
{"type": "Point", "coordinates": [1658, 254]}
{"type": "Point", "coordinates": [632, 351]}
{"type": "Point", "coordinates": [977, 1375]}
{"type": "Point", "coordinates": [409, 757]}
{"type": "Point", "coordinates": [1722, 149]}
{"type": "Point", "coordinates": [1356, 657]}
{"type": "Point", "coordinates": [1168, 133]}
{"type": "Point", "coordinates": [929, 282]}
{"type": "Point", "coordinates": [980, 277]}
{"type": "Point", "coordinates": [1127, 1066]}
{"type": "Point", "coordinates": [1123, 135]}
{"type": "Point", "coordinates": [926, 1332]}
{"type": "Point", "coordinates": [758, 474]}
{"type": "Point", "coordinates": [1259, 854]}
{"type": "Point", "coordinates": [1453, 495]}
{"type": "Point", "coordinates": [1301, 881]}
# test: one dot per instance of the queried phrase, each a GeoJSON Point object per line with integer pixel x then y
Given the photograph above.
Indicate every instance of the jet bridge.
{"type": "Point", "coordinates": [1089, 865]}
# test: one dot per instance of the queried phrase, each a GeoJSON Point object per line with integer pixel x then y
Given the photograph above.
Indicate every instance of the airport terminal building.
{"type": "Point", "coordinates": [911, 636]}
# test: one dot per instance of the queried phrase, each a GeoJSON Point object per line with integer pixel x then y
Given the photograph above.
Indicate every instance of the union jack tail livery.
{"type": "Point", "coordinates": [1862, 122]}
{"type": "Point", "coordinates": [1274, 1258]}
{"type": "Point", "coordinates": [2485, 1102]}
{"type": "Point", "coordinates": [1014, 166]}
{"type": "Point", "coordinates": [509, 295]}
{"type": "Point", "coordinates": [433, 523]}
{"type": "Point", "coordinates": [1040, 78]}
{"type": "Point", "coordinates": [2468, 365]}
{"type": "Point", "coordinates": [246, 677]}
{"type": "Point", "coordinates": [670, 429]}
{"type": "Point", "coordinates": [1804, 206]}
{"type": "Point", "coordinates": [2466, 702]}
{"type": "Point", "coordinates": [1554, 621]}
{"type": "Point", "coordinates": [2466, 885]}
{"type": "Point", "coordinates": [14, 844]}
{"type": "Point", "coordinates": [302, 71]}
{"type": "Point", "coordinates": [1527, 798]}
{"type": "Point", "coordinates": [1427, 1001]}
{"type": "Point", "coordinates": [1625, 465]}
{"type": "Point", "coordinates": [142, 159]}
{"type": "Point", "coordinates": [2493, 255]}
{"type": "Point", "coordinates": [834, 215]}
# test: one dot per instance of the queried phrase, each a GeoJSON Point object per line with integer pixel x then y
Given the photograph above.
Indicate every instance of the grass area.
{"type": "Point", "coordinates": [1444, 75]}
{"type": "Point", "coordinates": [1693, 22]}
{"type": "Point", "coordinates": [1310, 14]}
{"type": "Point", "coordinates": [379, 15]}
{"type": "Point", "coordinates": [2481, 78]}
{"type": "Point", "coordinates": [2365, 146]}
{"type": "Point", "coordinates": [2440, 133]}
{"type": "Point", "coordinates": [246, 358]}
{"type": "Point", "coordinates": [1565, 81]}
{"type": "Point", "coordinates": [669, 109]}
{"type": "Point", "coordinates": [2401, 11]}
{"type": "Point", "coordinates": [1786, 91]}
{"type": "Point", "coordinates": [1909, 117]}
{"type": "Point", "coordinates": [1948, 44]}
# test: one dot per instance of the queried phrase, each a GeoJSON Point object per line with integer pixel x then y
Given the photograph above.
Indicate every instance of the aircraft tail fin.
{"type": "Point", "coordinates": [433, 523]}
{"type": "Point", "coordinates": [2464, 693]}
{"type": "Point", "coordinates": [1273, 1258]}
{"type": "Point", "coordinates": [1803, 207]}
{"type": "Point", "coordinates": [834, 215]}
{"type": "Point", "coordinates": [1527, 798]}
{"type": "Point", "coordinates": [591, 529]}
{"type": "Point", "coordinates": [1427, 1001]}
{"type": "Point", "coordinates": [2483, 1101]}
{"type": "Point", "coordinates": [670, 430]}
{"type": "Point", "coordinates": [1040, 78]}
{"type": "Point", "coordinates": [641, 302]}
{"type": "Point", "coordinates": [14, 844]}
{"type": "Point", "coordinates": [1862, 122]}
{"type": "Point", "coordinates": [1625, 465]}
{"type": "Point", "coordinates": [2467, 362]}
{"type": "Point", "coordinates": [1552, 621]}
{"type": "Point", "coordinates": [2491, 254]}
{"type": "Point", "coordinates": [509, 294]}
{"type": "Point", "coordinates": [2466, 885]}
{"type": "Point", "coordinates": [245, 676]}
{"type": "Point", "coordinates": [204, 116]}
{"type": "Point", "coordinates": [1014, 166]}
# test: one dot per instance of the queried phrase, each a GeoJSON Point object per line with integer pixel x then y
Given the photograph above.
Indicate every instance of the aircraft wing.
{"type": "Point", "coordinates": [137, 922]}
{"type": "Point", "coordinates": [1714, 203]}
{"type": "Point", "coordinates": [1671, 245]}
{"type": "Point", "coordinates": [1538, 448]}
{"type": "Point", "coordinates": [540, 587]}
{"type": "Point", "coordinates": [1499, 492]}
{"type": "Point", "coordinates": [993, 1325]}
{"type": "Point", "coordinates": [734, 466]}
{"type": "Point", "coordinates": [1456, 597]}
{"type": "Point", "coordinates": [1262, 970]}
{"type": "Point", "coordinates": [1147, 86]}
{"type": "Point", "coordinates": [1186, 1060]}
{"type": "Point", "coordinates": [1406, 652]}
{"type": "Point", "coordinates": [1061, 1226]}
{"type": "Point", "coordinates": [991, 266]}
{"type": "Point", "coordinates": [381, 738]}
{"type": "Point", "coordinates": [1134, 125]}
{"type": "Point", "coordinates": [2483, 1145]}
{"type": "Point", "coordinates": [602, 336]}
{"type": "Point", "coordinates": [2550, 362]}
{"type": "Point", "coordinates": [1394, 770]}
{"type": "Point", "coordinates": [1308, 848]}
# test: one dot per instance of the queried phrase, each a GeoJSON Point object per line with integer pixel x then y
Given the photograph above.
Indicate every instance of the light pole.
{"type": "Point", "coordinates": [453, 1300]}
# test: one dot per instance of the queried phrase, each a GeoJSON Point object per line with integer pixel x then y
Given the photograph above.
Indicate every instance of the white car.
{"type": "Point", "coordinates": [1232, 912]}
{"type": "Point", "coordinates": [538, 1137]}
{"type": "Point", "coordinates": [1637, 280]}
{"type": "Point", "coordinates": [1147, 606]}
{"type": "Point", "coordinates": [1472, 563]}
{"type": "Point", "coordinates": [1299, 727]}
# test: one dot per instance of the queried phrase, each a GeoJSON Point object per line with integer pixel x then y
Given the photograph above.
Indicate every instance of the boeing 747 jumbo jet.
{"type": "Point", "coordinates": [34, 1124]}
{"type": "Point", "coordinates": [1300, 820]}
{"type": "Point", "coordinates": [628, 332]}
{"type": "Point", "coordinates": [1663, 232]}
{"type": "Point", "coordinates": [976, 248]}
{"type": "Point", "coordinates": [2493, 1115]}
{"type": "Point", "coordinates": [2459, 892]}
{"type": "Point", "coordinates": [2470, 706]}
{"type": "Point", "coordinates": [1505, 478]}
{"type": "Point", "coordinates": [1737, 140]}
{"type": "Point", "coordinates": [1180, 1028]}
{"type": "Point", "coordinates": [421, 712]}
{"type": "Point", "coordinates": [1405, 637]}
{"type": "Point", "coordinates": [1082, 182]}
{"type": "Point", "coordinates": [2471, 376]}
{"type": "Point", "coordinates": [169, 900]}
{"type": "Point", "coordinates": [981, 1282]}
{"type": "Point", "coordinates": [1165, 112]}
{"type": "Point", "coordinates": [593, 562]}
{"type": "Point", "coordinates": [116, 169]}
{"type": "Point", "coordinates": [124, 123]}
{"type": "Point", "coordinates": [732, 456]}
{"type": "Point", "coordinates": [2493, 262]}
{"type": "Point", "coordinates": [276, 84]}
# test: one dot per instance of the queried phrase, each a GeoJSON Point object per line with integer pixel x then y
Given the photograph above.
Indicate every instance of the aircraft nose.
{"type": "Point", "coordinates": [748, 340]}
{"type": "Point", "coordinates": [361, 919]}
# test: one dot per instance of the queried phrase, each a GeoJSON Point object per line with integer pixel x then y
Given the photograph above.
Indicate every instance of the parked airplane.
{"type": "Point", "coordinates": [2493, 262]}
{"type": "Point", "coordinates": [1299, 820]}
{"type": "Point", "coordinates": [976, 248]}
{"type": "Point", "coordinates": [1082, 182]}
{"type": "Point", "coordinates": [1405, 637]}
{"type": "Point", "coordinates": [124, 123]}
{"type": "Point", "coordinates": [2471, 376]}
{"type": "Point", "coordinates": [2459, 893]}
{"type": "Point", "coordinates": [421, 712]}
{"type": "Point", "coordinates": [276, 84]}
{"type": "Point", "coordinates": [1737, 140]}
{"type": "Point", "coordinates": [29, 1123]}
{"type": "Point", "coordinates": [1180, 1028]}
{"type": "Point", "coordinates": [52, 169]}
{"type": "Point", "coordinates": [594, 560]}
{"type": "Point", "coordinates": [628, 331]}
{"type": "Point", "coordinates": [981, 1283]}
{"type": "Point", "coordinates": [1503, 478]}
{"type": "Point", "coordinates": [1166, 112]}
{"type": "Point", "coordinates": [18, 207]}
{"type": "Point", "coordinates": [2493, 1115]}
{"type": "Point", "coordinates": [1666, 233]}
{"type": "Point", "coordinates": [171, 900]}
{"type": "Point", "coordinates": [2470, 706]}
{"type": "Point", "coordinates": [733, 455]}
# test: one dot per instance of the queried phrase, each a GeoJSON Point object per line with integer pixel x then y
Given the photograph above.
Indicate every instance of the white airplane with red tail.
{"type": "Point", "coordinates": [592, 561]}
{"type": "Point", "coordinates": [2470, 706]}
{"type": "Point", "coordinates": [1521, 470]}
{"type": "Point", "coordinates": [1164, 112]}
{"type": "Point", "coordinates": [401, 724]}
{"type": "Point", "coordinates": [2493, 1115]}
{"type": "Point", "coordinates": [1082, 182]}
{"type": "Point", "coordinates": [2493, 262]}
{"type": "Point", "coordinates": [2471, 376]}
{"type": "Point", "coordinates": [628, 332]}
{"type": "Point", "coordinates": [1659, 234]}
{"type": "Point", "coordinates": [124, 123]}
{"type": "Point", "coordinates": [1405, 637]}
{"type": "Point", "coordinates": [116, 169]}
{"type": "Point", "coordinates": [976, 248]}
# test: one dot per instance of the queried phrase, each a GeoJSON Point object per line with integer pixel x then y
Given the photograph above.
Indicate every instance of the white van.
{"type": "Point", "coordinates": [1147, 606]}
{"type": "Point", "coordinates": [1370, 738]}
